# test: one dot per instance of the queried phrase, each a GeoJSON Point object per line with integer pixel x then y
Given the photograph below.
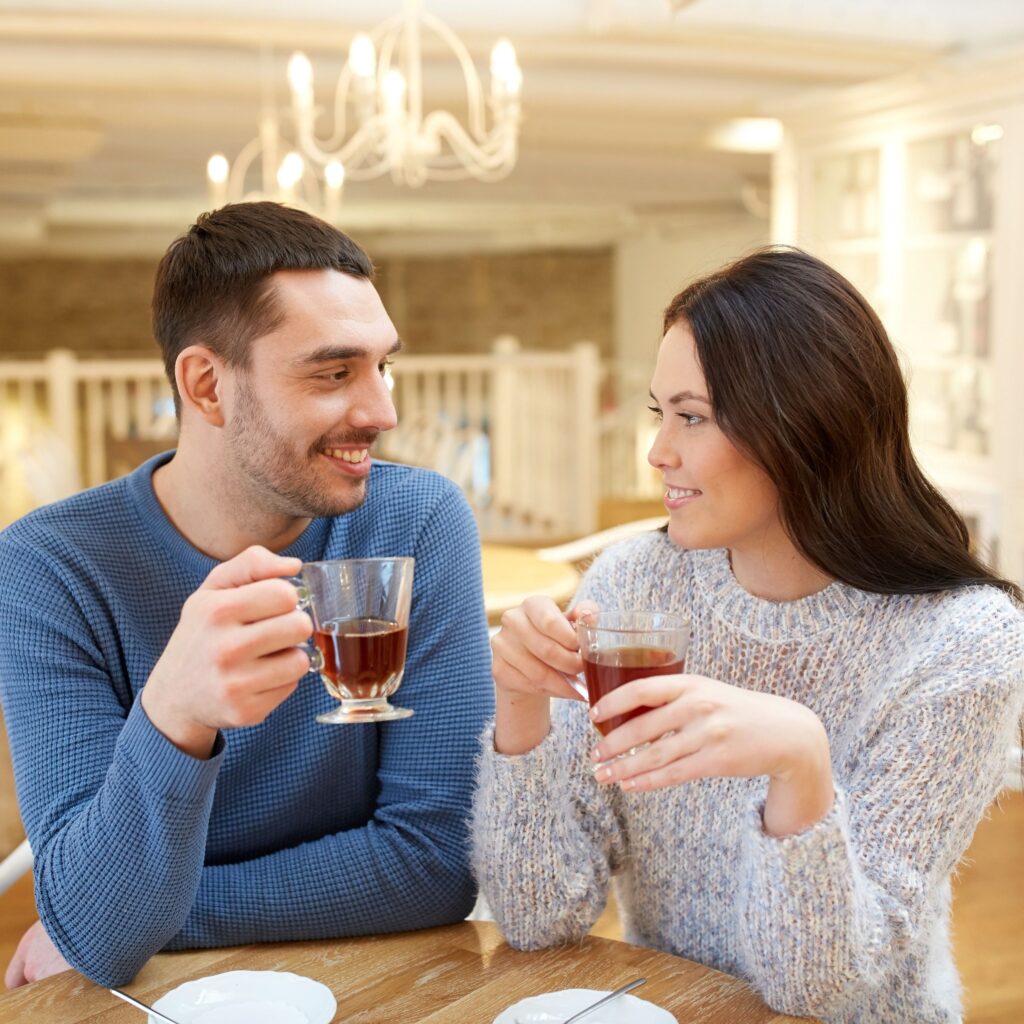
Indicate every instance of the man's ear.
{"type": "Point", "coordinates": [199, 373]}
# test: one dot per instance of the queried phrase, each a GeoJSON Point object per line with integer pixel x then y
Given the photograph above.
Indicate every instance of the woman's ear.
{"type": "Point", "coordinates": [199, 373]}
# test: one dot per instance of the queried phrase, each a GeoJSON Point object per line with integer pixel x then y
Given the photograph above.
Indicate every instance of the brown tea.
{"type": "Point", "coordinates": [363, 658]}
{"type": "Point", "coordinates": [613, 666]}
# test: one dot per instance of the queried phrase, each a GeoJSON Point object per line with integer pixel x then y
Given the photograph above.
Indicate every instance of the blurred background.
{"type": "Point", "coordinates": [535, 181]}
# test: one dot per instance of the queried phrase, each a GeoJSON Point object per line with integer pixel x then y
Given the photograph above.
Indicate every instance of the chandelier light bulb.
{"type": "Point", "coordinates": [362, 56]}
{"type": "Point", "coordinates": [217, 169]}
{"type": "Point", "coordinates": [300, 77]}
{"type": "Point", "coordinates": [291, 170]}
{"type": "Point", "coordinates": [393, 89]}
{"type": "Point", "coordinates": [514, 82]}
{"type": "Point", "coordinates": [334, 174]}
{"type": "Point", "coordinates": [503, 60]}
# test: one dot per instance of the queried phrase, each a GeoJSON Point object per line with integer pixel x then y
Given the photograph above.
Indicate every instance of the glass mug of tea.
{"type": "Point", "coordinates": [620, 646]}
{"type": "Point", "coordinates": [360, 612]}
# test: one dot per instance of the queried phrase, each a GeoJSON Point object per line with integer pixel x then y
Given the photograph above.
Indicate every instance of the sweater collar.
{"type": "Point", "coordinates": [773, 620]}
{"type": "Point", "coordinates": [309, 545]}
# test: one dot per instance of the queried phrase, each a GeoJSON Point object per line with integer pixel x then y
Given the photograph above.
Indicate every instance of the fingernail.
{"type": "Point", "coordinates": [627, 784]}
{"type": "Point", "coordinates": [604, 774]}
{"type": "Point", "coordinates": [595, 754]}
{"type": "Point", "coordinates": [593, 713]}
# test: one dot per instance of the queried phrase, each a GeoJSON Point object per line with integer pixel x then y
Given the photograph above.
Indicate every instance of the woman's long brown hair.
{"type": "Point", "coordinates": [803, 378]}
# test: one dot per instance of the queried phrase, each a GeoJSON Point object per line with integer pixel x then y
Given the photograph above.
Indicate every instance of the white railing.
{"type": "Point", "coordinates": [60, 418]}
{"type": "Point", "coordinates": [517, 430]}
{"type": "Point", "coordinates": [625, 434]}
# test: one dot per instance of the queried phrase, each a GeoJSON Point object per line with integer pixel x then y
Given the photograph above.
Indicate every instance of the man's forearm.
{"type": "Point", "coordinates": [142, 836]}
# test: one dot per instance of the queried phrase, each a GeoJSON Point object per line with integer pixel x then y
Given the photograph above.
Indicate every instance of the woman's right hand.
{"type": "Point", "coordinates": [533, 653]}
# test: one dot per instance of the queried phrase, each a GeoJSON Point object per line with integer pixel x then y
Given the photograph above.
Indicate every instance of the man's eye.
{"type": "Point", "coordinates": [385, 366]}
{"type": "Point", "coordinates": [334, 375]}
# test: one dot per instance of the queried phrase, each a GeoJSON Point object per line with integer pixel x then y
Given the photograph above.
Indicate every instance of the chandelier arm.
{"type": "Point", "coordinates": [240, 168]}
{"type": "Point", "coordinates": [490, 154]}
{"type": "Point", "coordinates": [369, 172]}
{"type": "Point", "coordinates": [474, 90]}
{"type": "Point", "coordinates": [340, 110]}
{"type": "Point", "coordinates": [368, 139]}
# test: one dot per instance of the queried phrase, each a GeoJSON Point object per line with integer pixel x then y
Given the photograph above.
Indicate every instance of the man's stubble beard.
{"type": "Point", "coordinates": [274, 478]}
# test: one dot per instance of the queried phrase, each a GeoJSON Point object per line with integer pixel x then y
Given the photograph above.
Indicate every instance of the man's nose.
{"type": "Point", "coordinates": [375, 407]}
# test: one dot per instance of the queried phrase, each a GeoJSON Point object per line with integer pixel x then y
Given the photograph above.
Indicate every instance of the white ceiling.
{"type": "Point", "coordinates": [109, 109]}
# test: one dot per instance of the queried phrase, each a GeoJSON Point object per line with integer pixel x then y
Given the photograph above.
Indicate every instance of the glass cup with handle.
{"type": "Point", "coordinates": [360, 611]}
{"type": "Point", "coordinates": [620, 646]}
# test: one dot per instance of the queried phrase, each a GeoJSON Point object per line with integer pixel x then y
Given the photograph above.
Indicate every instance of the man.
{"type": "Point", "coordinates": [174, 785]}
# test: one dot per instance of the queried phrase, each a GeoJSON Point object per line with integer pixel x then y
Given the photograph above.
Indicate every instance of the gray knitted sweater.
{"type": "Point", "coordinates": [847, 921]}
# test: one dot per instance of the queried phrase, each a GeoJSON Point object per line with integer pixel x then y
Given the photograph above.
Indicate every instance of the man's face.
{"type": "Point", "coordinates": [313, 399]}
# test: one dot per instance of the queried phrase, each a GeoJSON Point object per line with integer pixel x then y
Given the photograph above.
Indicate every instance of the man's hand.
{"type": "Point", "coordinates": [36, 957]}
{"type": "Point", "coordinates": [233, 656]}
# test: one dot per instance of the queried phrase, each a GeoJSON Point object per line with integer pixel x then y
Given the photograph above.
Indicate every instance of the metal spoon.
{"type": "Point", "coordinates": [587, 1010]}
{"type": "Point", "coordinates": [155, 1014]}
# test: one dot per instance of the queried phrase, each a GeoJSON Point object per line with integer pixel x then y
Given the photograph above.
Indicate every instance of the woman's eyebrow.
{"type": "Point", "coordinates": [683, 396]}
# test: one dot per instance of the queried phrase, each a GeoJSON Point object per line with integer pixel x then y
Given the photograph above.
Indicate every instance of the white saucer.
{"type": "Point", "coordinates": [553, 1007]}
{"type": "Point", "coordinates": [249, 997]}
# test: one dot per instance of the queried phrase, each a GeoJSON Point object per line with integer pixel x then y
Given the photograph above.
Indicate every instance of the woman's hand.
{"type": "Point", "coordinates": [702, 728]}
{"type": "Point", "coordinates": [533, 654]}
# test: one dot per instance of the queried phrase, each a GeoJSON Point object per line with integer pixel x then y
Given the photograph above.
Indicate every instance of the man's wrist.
{"type": "Point", "coordinates": [190, 737]}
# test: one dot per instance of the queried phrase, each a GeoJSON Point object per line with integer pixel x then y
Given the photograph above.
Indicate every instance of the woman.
{"type": "Point", "coordinates": [853, 681]}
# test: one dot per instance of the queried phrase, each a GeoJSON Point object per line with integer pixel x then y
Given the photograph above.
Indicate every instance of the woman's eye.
{"type": "Point", "coordinates": [692, 419]}
{"type": "Point", "coordinates": [657, 412]}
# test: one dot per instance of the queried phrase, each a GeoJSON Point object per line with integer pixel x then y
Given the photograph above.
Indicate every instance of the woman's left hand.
{"type": "Point", "coordinates": [702, 728]}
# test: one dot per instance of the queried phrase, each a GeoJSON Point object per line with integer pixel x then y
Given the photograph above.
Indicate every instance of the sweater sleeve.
{"type": "Point", "coordinates": [408, 867]}
{"type": "Point", "coordinates": [546, 837]}
{"type": "Point", "coordinates": [102, 793]}
{"type": "Point", "coordinates": [546, 840]}
{"type": "Point", "coordinates": [842, 903]}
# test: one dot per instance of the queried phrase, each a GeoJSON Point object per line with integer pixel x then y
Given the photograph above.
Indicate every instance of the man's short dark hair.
{"type": "Point", "coordinates": [212, 283]}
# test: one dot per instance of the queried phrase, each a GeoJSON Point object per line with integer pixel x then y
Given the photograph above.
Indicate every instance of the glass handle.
{"type": "Point", "coordinates": [305, 603]}
{"type": "Point", "coordinates": [577, 683]}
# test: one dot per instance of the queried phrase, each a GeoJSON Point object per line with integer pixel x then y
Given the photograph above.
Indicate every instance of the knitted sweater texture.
{"type": "Point", "coordinates": [847, 921]}
{"type": "Point", "coordinates": [292, 829]}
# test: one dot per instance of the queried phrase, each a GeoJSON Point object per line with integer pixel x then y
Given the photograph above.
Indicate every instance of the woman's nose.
{"type": "Point", "coordinates": [662, 455]}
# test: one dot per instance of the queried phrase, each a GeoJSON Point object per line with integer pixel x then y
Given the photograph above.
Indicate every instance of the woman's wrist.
{"type": "Point", "coordinates": [801, 793]}
{"type": "Point", "coordinates": [521, 721]}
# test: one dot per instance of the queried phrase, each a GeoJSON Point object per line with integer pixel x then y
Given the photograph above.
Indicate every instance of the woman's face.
{"type": "Point", "coordinates": [715, 495]}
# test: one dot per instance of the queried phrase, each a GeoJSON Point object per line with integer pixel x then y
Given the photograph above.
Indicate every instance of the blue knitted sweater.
{"type": "Point", "coordinates": [291, 830]}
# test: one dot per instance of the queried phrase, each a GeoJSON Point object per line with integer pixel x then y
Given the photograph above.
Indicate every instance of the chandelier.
{"type": "Point", "coordinates": [380, 126]}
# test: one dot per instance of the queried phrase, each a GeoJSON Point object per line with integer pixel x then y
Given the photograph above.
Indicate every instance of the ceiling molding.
{"type": "Point", "coordinates": [669, 48]}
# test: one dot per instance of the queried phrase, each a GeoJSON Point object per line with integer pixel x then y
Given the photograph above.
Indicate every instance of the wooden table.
{"type": "Point", "coordinates": [462, 974]}
{"type": "Point", "coordinates": [513, 574]}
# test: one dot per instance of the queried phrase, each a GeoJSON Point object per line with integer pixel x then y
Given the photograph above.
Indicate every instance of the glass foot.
{"type": "Point", "coordinates": [355, 712]}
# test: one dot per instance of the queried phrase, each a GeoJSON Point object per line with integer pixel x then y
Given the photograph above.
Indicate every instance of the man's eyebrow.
{"type": "Point", "coordinates": [337, 353]}
{"type": "Point", "coordinates": [683, 396]}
